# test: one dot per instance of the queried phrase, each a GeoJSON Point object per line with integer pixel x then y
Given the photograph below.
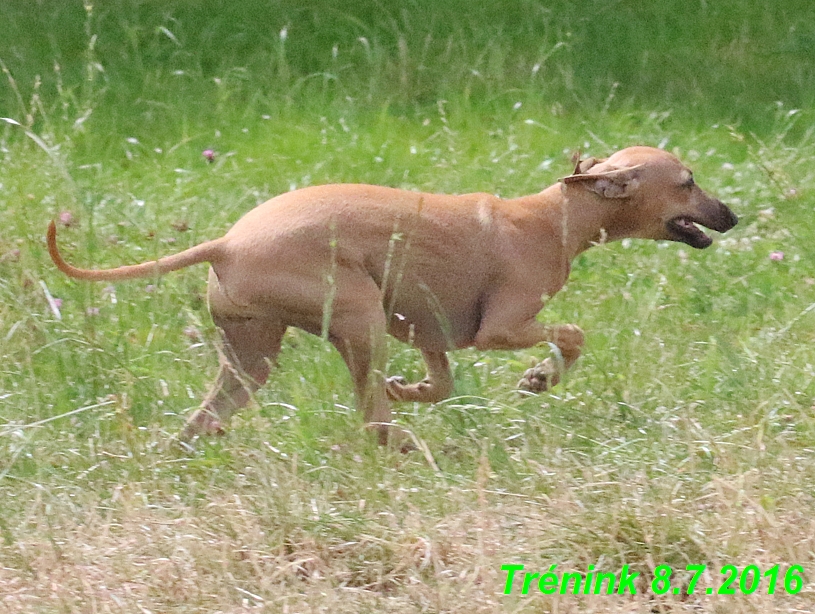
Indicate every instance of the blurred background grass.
{"type": "Point", "coordinates": [726, 61]}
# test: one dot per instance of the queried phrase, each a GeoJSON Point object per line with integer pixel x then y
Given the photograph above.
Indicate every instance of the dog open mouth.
{"type": "Point", "coordinates": [685, 230]}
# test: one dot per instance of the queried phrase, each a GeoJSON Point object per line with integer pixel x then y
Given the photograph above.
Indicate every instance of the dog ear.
{"type": "Point", "coordinates": [616, 183]}
{"type": "Point", "coordinates": [583, 166]}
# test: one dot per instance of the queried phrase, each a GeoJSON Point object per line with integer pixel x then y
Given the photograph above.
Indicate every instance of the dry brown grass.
{"type": "Point", "coordinates": [281, 542]}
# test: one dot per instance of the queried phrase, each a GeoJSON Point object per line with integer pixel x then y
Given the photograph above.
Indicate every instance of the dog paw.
{"type": "Point", "coordinates": [425, 391]}
{"type": "Point", "coordinates": [540, 378]}
{"type": "Point", "coordinates": [398, 389]}
{"type": "Point", "coordinates": [202, 422]}
{"type": "Point", "coordinates": [392, 437]}
{"type": "Point", "coordinates": [399, 439]}
{"type": "Point", "coordinates": [407, 446]}
{"type": "Point", "coordinates": [395, 386]}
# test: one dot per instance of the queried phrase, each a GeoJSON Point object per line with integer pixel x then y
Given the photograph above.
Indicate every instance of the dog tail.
{"type": "Point", "coordinates": [205, 252]}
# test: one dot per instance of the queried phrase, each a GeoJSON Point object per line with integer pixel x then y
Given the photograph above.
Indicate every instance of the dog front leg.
{"type": "Point", "coordinates": [436, 387]}
{"type": "Point", "coordinates": [568, 338]}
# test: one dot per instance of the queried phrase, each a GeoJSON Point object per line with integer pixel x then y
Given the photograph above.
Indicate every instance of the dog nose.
{"type": "Point", "coordinates": [727, 218]}
{"type": "Point", "coordinates": [719, 216]}
{"type": "Point", "coordinates": [734, 219]}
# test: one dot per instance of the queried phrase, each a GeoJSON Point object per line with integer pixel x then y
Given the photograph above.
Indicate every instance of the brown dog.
{"type": "Point", "coordinates": [442, 272]}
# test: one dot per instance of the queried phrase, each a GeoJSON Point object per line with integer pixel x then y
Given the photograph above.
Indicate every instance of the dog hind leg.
{"type": "Point", "coordinates": [358, 331]}
{"type": "Point", "coordinates": [249, 346]}
{"type": "Point", "coordinates": [364, 356]}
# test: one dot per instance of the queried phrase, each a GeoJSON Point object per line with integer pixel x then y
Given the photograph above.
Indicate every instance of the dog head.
{"type": "Point", "coordinates": [651, 195]}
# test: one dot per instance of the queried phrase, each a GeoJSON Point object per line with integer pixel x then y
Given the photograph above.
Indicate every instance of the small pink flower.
{"type": "Point", "coordinates": [92, 311]}
{"type": "Point", "coordinates": [209, 155]}
{"type": "Point", "coordinates": [776, 255]}
{"type": "Point", "coordinates": [66, 218]}
{"type": "Point", "coordinates": [58, 302]}
{"type": "Point", "coordinates": [149, 288]}
{"type": "Point", "coordinates": [11, 256]}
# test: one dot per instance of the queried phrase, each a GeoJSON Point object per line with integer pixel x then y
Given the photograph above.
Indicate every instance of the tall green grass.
{"type": "Point", "coordinates": [141, 62]}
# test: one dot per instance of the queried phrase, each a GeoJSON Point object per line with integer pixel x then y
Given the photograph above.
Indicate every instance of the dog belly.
{"type": "Point", "coordinates": [433, 331]}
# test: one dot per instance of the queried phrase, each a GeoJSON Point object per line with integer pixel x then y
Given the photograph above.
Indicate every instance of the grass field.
{"type": "Point", "coordinates": [685, 435]}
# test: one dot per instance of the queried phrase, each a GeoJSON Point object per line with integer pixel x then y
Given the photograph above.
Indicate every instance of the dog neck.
{"type": "Point", "coordinates": [583, 220]}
